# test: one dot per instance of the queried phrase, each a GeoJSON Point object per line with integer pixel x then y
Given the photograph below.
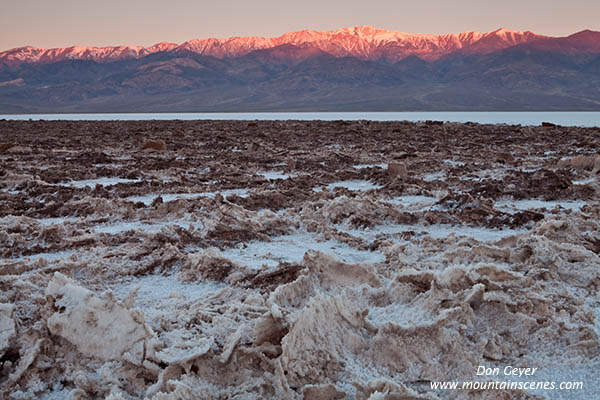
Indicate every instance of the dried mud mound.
{"type": "Point", "coordinates": [296, 260]}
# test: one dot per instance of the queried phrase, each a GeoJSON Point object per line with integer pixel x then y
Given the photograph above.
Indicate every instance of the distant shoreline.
{"type": "Point", "coordinates": [528, 118]}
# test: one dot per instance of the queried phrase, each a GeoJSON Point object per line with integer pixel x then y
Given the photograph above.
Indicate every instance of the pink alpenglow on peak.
{"type": "Point", "coordinates": [363, 42]}
{"type": "Point", "coordinates": [162, 46]}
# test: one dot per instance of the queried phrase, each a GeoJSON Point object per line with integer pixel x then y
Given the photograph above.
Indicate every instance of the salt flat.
{"type": "Point", "coordinates": [284, 259]}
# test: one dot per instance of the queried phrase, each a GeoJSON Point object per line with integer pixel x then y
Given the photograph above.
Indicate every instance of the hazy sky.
{"type": "Point", "coordinates": [60, 23]}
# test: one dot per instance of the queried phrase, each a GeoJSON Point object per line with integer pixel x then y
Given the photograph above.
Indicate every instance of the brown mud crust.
{"type": "Point", "coordinates": [295, 259]}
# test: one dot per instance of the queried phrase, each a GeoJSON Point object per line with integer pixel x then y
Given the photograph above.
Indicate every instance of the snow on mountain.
{"type": "Point", "coordinates": [30, 54]}
{"type": "Point", "coordinates": [162, 46]}
{"type": "Point", "coordinates": [364, 42]}
{"type": "Point", "coordinates": [223, 48]}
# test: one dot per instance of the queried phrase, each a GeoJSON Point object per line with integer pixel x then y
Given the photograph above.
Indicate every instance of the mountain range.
{"type": "Point", "coordinates": [350, 69]}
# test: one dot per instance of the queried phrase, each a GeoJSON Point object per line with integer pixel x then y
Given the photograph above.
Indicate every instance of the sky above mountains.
{"type": "Point", "coordinates": [61, 23]}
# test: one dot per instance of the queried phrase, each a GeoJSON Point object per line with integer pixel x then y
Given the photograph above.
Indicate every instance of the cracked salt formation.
{"type": "Point", "coordinates": [275, 290]}
{"type": "Point", "coordinates": [149, 198]}
{"type": "Point", "coordinates": [98, 326]}
{"type": "Point", "coordinates": [434, 231]}
{"type": "Point", "coordinates": [513, 206]}
{"type": "Point", "coordinates": [106, 181]}
{"type": "Point", "coordinates": [362, 166]}
{"type": "Point", "coordinates": [57, 220]}
{"type": "Point", "coordinates": [433, 177]}
{"type": "Point", "coordinates": [7, 327]}
{"type": "Point", "coordinates": [354, 185]}
{"type": "Point", "coordinates": [291, 249]}
{"type": "Point", "coordinates": [585, 181]}
{"type": "Point", "coordinates": [273, 175]}
{"type": "Point", "coordinates": [413, 202]}
{"type": "Point", "coordinates": [119, 227]}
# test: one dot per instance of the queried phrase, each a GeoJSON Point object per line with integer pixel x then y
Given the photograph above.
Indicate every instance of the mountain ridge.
{"type": "Point", "coordinates": [352, 69]}
{"type": "Point", "coordinates": [364, 42]}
